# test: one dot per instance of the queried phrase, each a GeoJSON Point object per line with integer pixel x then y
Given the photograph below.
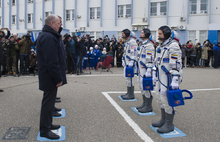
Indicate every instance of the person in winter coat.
{"type": "Point", "coordinates": [2, 33]}
{"type": "Point", "coordinates": [51, 72]}
{"type": "Point", "coordinates": [204, 57]}
{"type": "Point", "coordinates": [183, 49]}
{"type": "Point", "coordinates": [192, 56]}
{"type": "Point", "coordinates": [198, 54]}
{"type": "Point", "coordinates": [216, 53]}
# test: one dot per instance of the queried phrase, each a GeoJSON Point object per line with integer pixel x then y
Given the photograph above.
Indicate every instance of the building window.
{"type": "Point", "coordinates": [124, 11]}
{"type": "Point", "coordinates": [120, 11]}
{"type": "Point", "coordinates": [98, 35]}
{"type": "Point", "coordinates": [204, 6]}
{"type": "Point", "coordinates": [98, 13]}
{"type": "Point", "coordinates": [203, 36]}
{"type": "Point", "coordinates": [67, 15]}
{"type": "Point", "coordinates": [13, 19]}
{"type": "Point", "coordinates": [153, 9]}
{"type": "Point", "coordinates": [192, 36]}
{"type": "Point", "coordinates": [119, 35]}
{"type": "Point", "coordinates": [73, 14]}
{"type": "Point", "coordinates": [48, 13]}
{"type": "Point", "coordinates": [193, 6]}
{"type": "Point", "coordinates": [30, 17]}
{"type": "Point", "coordinates": [92, 13]}
{"type": "Point", "coordinates": [128, 11]}
{"type": "Point", "coordinates": [95, 13]}
{"type": "Point", "coordinates": [163, 8]}
{"type": "Point", "coordinates": [70, 15]}
{"type": "Point", "coordinates": [154, 34]}
{"type": "Point", "coordinates": [13, 2]}
{"type": "Point", "coordinates": [30, 1]}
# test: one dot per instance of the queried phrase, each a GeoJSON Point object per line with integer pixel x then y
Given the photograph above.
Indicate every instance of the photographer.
{"type": "Point", "coordinates": [11, 46]}
{"type": "Point", "coordinates": [70, 51]}
{"type": "Point", "coordinates": [81, 51]}
{"type": "Point", "coordinates": [25, 48]}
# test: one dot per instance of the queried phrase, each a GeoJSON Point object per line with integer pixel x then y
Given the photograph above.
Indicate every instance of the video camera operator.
{"type": "Point", "coordinates": [25, 48]}
{"type": "Point", "coordinates": [70, 51]}
{"type": "Point", "coordinates": [11, 46]}
{"type": "Point", "coordinates": [81, 51]}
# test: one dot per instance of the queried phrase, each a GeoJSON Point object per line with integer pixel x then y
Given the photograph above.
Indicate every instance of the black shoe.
{"type": "Point", "coordinates": [50, 135]}
{"type": "Point", "coordinates": [54, 127]}
{"type": "Point", "coordinates": [1, 90]}
{"type": "Point", "coordinates": [56, 114]}
{"type": "Point", "coordinates": [57, 109]}
{"type": "Point", "coordinates": [57, 100]}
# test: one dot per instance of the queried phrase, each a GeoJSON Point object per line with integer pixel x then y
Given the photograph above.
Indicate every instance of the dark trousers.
{"type": "Point", "coordinates": [216, 61]}
{"type": "Point", "coordinates": [24, 63]}
{"type": "Point", "coordinates": [47, 106]}
{"type": "Point", "coordinates": [192, 60]}
{"type": "Point", "coordinates": [71, 62]}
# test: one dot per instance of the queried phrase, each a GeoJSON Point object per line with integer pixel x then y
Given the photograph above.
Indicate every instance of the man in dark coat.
{"type": "Point", "coordinates": [1, 60]}
{"type": "Point", "coordinates": [51, 72]}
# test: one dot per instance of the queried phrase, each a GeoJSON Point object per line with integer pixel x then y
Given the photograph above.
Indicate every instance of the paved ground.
{"type": "Point", "coordinates": [90, 117]}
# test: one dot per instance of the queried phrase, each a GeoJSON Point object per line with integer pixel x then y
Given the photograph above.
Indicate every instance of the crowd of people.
{"type": "Point", "coordinates": [200, 55]}
{"type": "Point", "coordinates": [14, 50]}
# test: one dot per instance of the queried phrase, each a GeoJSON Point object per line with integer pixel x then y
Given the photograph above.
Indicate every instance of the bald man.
{"type": "Point", "coordinates": [51, 72]}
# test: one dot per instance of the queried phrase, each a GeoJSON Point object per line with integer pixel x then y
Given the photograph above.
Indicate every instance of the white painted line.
{"type": "Point", "coordinates": [192, 90]}
{"type": "Point", "coordinates": [127, 118]}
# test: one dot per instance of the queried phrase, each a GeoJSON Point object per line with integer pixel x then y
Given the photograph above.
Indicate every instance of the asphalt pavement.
{"type": "Point", "coordinates": [94, 112]}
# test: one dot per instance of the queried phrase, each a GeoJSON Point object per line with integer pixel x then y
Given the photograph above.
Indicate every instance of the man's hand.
{"type": "Point", "coordinates": [59, 84]}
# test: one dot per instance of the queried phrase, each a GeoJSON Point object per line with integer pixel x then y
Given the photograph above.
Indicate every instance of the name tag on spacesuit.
{"type": "Point", "coordinates": [165, 60]}
{"type": "Point", "coordinates": [143, 55]}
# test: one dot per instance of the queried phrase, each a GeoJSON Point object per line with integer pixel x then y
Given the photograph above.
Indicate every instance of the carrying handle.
{"type": "Point", "coordinates": [191, 96]}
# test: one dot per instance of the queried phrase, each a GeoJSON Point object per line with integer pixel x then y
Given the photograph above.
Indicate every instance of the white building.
{"type": "Point", "coordinates": [194, 20]}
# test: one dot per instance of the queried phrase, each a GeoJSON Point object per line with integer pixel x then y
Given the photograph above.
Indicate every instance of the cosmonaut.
{"type": "Point", "coordinates": [145, 58]}
{"type": "Point", "coordinates": [167, 72]}
{"type": "Point", "coordinates": [128, 59]}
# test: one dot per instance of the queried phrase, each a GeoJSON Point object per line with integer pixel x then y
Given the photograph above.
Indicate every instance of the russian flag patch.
{"type": "Point", "coordinates": [174, 56]}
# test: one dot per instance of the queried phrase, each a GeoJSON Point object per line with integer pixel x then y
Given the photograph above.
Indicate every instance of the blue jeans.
{"type": "Point", "coordinates": [78, 58]}
{"type": "Point", "coordinates": [197, 61]}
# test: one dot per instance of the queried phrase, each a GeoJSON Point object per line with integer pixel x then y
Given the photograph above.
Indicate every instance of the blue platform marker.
{"type": "Point", "coordinates": [128, 100]}
{"type": "Point", "coordinates": [62, 112]}
{"type": "Point", "coordinates": [176, 133]}
{"type": "Point", "coordinates": [142, 114]}
{"type": "Point", "coordinates": [60, 132]}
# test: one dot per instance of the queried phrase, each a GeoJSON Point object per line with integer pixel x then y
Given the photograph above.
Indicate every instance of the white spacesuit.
{"type": "Point", "coordinates": [128, 59]}
{"type": "Point", "coordinates": [145, 58]}
{"type": "Point", "coordinates": [168, 73]}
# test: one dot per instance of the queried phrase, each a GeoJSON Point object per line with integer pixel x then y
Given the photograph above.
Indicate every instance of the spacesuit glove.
{"type": "Point", "coordinates": [174, 82]}
{"type": "Point", "coordinates": [123, 63]}
{"type": "Point", "coordinates": [148, 72]}
{"type": "Point", "coordinates": [131, 63]}
{"type": "Point", "coordinates": [154, 76]}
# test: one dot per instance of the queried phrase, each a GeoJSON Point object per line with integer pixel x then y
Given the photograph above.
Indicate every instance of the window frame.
{"type": "Point", "coordinates": [204, 37]}
{"type": "Point", "coordinates": [120, 9]}
{"type": "Point", "coordinates": [13, 21]}
{"type": "Point", "coordinates": [13, 2]}
{"type": "Point", "coordinates": [192, 36]}
{"type": "Point", "coordinates": [31, 16]}
{"type": "Point", "coordinates": [163, 13]}
{"type": "Point", "coordinates": [92, 12]}
{"type": "Point", "coordinates": [49, 13]}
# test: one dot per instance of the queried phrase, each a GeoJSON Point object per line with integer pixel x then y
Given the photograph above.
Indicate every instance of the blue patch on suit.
{"type": "Point", "coordinates": [143, 55]}
{"type": "Point", "coordinates": [129, 51]}
{"type": "Point", "coordinates": [158, 59]}
{"type": "Point", "coordinates": [166, 60]}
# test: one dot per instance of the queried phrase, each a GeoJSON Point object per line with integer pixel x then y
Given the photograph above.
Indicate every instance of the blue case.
{"type": "Point", "coordinates": [175, 97]}
{"type": "Point", "coordinates": [129, 72]}
{"type": "Point", "coordinates": [147, 84]}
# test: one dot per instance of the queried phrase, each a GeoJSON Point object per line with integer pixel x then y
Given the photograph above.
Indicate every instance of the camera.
{"type": "Point", "coordinates": [66, 37]}
{"type": "Point", "coordinates": [28, 36]}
